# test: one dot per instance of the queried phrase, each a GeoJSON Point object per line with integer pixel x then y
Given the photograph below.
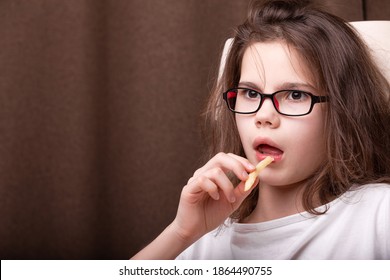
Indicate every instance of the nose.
{"type": "Point", "coordinates": [267, 114]}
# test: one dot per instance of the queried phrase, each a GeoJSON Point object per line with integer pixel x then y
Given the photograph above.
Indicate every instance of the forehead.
{"type": "Point", "coordinates": [269, 65]}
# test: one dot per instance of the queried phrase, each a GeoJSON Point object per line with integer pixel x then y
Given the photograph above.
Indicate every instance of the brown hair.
{"type": "Point", "coordinates": [357, 121]}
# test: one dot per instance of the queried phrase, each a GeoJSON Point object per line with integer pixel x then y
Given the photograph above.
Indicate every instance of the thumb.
{"type": "Point", "coordinates": [241, 194]}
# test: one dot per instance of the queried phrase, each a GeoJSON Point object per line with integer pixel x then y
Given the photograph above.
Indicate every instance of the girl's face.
{"type": "Point", "coordinates": [296, 143]}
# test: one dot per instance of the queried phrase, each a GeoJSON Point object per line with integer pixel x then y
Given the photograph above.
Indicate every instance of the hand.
{"type": "Point", "coordinates": [210, 197]}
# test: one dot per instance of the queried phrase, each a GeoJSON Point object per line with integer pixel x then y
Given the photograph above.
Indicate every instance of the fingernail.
{"type": "Point", "coordinates": [245, 175]}
{"type": "Point", "coordinates": [216, 196]}
{"type": "Point", "coordinates": [232, 199]}
{"type": "Point", "coordinates": [250, 166]}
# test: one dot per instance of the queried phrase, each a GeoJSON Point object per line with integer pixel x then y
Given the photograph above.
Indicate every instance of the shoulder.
{"type": "Point", "coordinates": [370, 202]}
{"type": "Point", "coordinates": [370, 191]}
{"type": "Point", "coordinates": [365, 200]}
{"type": "Point", "coordinates": [380, 194]}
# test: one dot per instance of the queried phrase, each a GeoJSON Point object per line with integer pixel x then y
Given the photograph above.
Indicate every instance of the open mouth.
{"type": "Point", "coordinates": [264, 150]}
{"type": "Point", "coordinates": [269, 150]}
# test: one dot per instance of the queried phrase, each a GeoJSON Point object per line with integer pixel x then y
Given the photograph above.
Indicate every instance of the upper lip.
{"type": "Point", "coordinates": [264, 141]}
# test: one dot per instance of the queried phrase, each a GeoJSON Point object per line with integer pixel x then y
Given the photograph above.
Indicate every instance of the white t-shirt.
{"type": "Point", "coordinates": [356, 226]}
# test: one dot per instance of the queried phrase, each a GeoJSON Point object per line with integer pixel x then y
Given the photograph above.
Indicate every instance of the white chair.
{"type": "Point", "coordinates": [375, 33]}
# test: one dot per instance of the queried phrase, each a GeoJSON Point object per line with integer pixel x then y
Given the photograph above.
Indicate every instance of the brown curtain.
{"type": "Point", "coordinates": [99, 117]}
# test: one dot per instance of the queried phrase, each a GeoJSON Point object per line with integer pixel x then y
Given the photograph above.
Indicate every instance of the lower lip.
{"type": "Point", "coordinates": [260, 156]}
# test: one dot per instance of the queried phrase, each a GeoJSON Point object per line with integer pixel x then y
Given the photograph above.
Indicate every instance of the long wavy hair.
{"type": "Point", "coordinates": [357, 120]}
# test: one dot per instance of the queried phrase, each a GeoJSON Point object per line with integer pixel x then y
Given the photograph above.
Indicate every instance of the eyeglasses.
{"type": "Point", "coordinates": [286, 102]}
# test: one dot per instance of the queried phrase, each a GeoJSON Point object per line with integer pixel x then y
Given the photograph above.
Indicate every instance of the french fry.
{"type": "Point", "coordinates": [253, 175]}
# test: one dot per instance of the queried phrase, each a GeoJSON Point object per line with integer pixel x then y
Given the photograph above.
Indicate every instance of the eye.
{"type": "Point", "coordinates": [251, 94]}
{"type": "Point", "coordinates": [297, 96]}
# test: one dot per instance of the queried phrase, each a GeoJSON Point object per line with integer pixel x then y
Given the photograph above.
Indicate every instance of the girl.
{"type": "Point", "coordinates": [299, 86]}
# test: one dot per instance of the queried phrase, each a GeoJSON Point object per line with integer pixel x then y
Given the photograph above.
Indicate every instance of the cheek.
{"type": "Point", "coordinates": [310, 148]}
{"type": "Point", "coordinates": [242, 125]}
{"type": "Point", "coordinates": [304, 154]}
{"type": "Point", "coordinates": [309, 144]}
{"type": "Point", "coordinates": [245, 127]}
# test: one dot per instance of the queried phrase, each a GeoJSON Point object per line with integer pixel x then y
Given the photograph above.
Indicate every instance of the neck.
{"type": "Point", "coordinates": [276, 202]}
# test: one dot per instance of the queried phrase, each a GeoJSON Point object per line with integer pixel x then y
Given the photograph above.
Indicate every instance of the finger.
{"type": "Point", "coordinates": [240, 189]}
{"type": "Point", "coordinates": [203, 185]}
{"type": "Point", "coordinates": [228, 162]}
{"type": "Point", "coordinates": [241, 194]}
{"type": "Point", "coordinates": [224, 184]}
{"type": "Point", "coordinates": [190, 180]}
{"type": "Point", "coordinates": [248, 165]}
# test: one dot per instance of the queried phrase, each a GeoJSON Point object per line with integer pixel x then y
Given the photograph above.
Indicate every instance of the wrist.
{"type": "Point", "coordinates": [184, 237]}
{"type": "Point", "coordinates": [167, 246]}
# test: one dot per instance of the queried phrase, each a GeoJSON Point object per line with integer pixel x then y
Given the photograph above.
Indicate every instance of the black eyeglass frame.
{"type": "Point", "coordinates": [314, 99]}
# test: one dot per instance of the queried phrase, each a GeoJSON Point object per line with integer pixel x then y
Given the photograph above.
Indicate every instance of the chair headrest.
{"type": "Point", "coordinates": [376, 34]}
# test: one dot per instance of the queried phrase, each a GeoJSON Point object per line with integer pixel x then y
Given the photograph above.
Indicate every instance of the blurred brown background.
{"type": "Point", "coordinates": [99, 117]}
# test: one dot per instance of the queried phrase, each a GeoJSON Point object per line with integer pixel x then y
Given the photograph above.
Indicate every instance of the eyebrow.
{"type": "Point", "coordinates": [287, 85]}
{"type": "Point", "coordinates": [248, 84]}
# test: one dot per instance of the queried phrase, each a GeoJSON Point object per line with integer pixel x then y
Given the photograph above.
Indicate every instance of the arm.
{"type": "Point", "coordinates": [205, 203]}
{"type": "Point", "coordinates": [168, 245]}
